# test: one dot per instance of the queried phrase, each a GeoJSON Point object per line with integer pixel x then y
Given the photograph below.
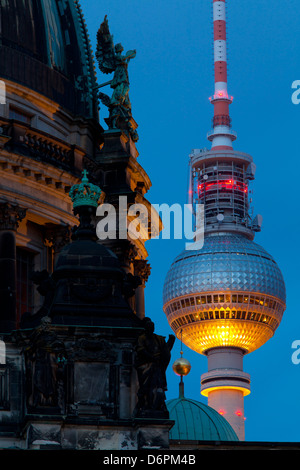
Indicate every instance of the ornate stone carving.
{"type": "Point", "coordinates": [85, 193]}
{"type": "Point", "coordinates": [45, 359]}
{"type": "Point", "coordinates": [11, 215]}
{"type": "Point", "coordinates": [44, 149]}
{"type": "Point", "coordinates": [92, 348]}
{"type": "Point", "coordinates": [142, 269]}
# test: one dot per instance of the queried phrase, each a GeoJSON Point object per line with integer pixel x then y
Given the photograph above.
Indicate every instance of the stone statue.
{"type": "Point", "coordinates": [111, 60]}
{"type": "Point", "coordinates": [153, 354]}
{"type": "Point", "coordinates": [45, 360]}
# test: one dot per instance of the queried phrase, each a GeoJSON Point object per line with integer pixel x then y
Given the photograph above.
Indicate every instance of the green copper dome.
{"type": "Point", "coordinates": [195, 421]}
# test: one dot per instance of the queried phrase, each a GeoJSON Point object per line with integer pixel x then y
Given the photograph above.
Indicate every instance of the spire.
{"type": "Point", "coordinates": [221, 136]}
{"type": "Point", "coordinates": [181, 367]}
{"type": "Point", "coordinates": [181, 388]}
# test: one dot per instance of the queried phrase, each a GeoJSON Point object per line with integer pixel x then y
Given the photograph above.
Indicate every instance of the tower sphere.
{"type": "Point", "coordinates": [228, 293]}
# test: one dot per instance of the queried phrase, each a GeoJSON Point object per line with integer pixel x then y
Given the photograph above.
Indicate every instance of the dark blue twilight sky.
{"type": "Point", "coordinates": [171, 79]}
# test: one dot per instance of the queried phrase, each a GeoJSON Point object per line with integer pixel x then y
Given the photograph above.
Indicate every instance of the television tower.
{"type": "Point", "coordinates": [227, 298]}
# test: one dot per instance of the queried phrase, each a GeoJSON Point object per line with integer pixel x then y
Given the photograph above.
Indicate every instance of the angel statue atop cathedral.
{"type": "Point", "coordinates": [111, 60]}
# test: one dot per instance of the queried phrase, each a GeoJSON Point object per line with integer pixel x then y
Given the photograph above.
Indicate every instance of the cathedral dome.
{"type": "Point", "coordinates": [195, 421]}
{"type": "Point", "coordinates": [45, 47]}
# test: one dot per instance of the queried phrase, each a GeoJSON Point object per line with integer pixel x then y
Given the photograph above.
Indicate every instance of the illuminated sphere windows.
{"type": "Point", "coordinates": [229, 293]}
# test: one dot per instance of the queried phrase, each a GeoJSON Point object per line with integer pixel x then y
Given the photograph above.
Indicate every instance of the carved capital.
{"type": "Point", "coordinates": [11, 215]}
{"type": "Point", "coordinates": [57, 236]}
{"type": "Point", "coordinates": [142, 269]}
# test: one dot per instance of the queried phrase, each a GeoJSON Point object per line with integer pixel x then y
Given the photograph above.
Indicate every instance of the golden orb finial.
{"type": "Point", "coordinates": [182, 367]}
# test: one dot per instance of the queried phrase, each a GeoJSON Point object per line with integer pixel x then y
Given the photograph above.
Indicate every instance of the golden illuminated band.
{"type": "Point", "coordinates": [225, 319]}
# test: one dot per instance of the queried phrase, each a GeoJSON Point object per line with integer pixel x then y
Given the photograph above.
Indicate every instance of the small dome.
{"type": "Point", "coordinates": [195, 421]}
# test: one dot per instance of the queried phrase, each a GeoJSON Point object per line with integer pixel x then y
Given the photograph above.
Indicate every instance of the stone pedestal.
{"type": "Point", "coordinates": [81, 391]}
{"type": "Point", "coordinates": [124, 435]}
{"type": "Point", "coordinates": [153, 434]}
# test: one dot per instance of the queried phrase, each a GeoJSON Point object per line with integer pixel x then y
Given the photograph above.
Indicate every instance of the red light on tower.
{"type": "Point", "coordinates": [239, 413]}
{"type": "Point", "coordinates": [230, 184]}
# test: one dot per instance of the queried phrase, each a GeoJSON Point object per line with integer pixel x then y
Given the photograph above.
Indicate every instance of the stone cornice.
{"type": "Point", "coordinates": [38, 173]}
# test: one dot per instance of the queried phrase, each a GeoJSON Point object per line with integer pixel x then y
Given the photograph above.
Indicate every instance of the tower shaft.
{"type": "Point", "coordinates": [225, 384]}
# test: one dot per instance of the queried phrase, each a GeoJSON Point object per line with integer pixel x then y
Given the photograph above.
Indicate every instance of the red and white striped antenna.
{"type": "Point", "coordinates": [221, 135]}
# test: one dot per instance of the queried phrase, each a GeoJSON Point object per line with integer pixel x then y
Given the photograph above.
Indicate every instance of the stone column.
{"type": "Point", "coordinates": [141, 269]}
{"type": "Point", "coordinates": [10, 216]}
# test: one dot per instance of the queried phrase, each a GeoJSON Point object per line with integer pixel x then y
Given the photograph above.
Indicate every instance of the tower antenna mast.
{"type": "Point", "coordinates": [221, 136]}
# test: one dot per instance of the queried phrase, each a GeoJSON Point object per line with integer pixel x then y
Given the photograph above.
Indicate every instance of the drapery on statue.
{"type": "Point", "coordinates": [45, 358]}
{"type": "Point", "coordinates": [110, 59]}
{"type": "Point", "coordinates": [153, 354]}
